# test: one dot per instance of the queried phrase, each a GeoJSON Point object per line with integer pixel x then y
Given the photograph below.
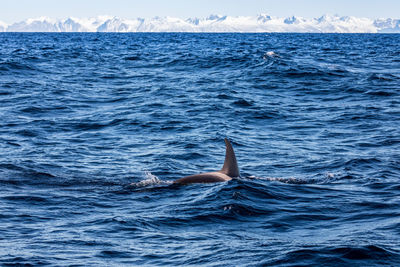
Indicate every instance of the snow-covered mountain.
{"type": "Point", "coordinates": [388, 25]}
{"type": "Point", "coordinates": [213, 23]}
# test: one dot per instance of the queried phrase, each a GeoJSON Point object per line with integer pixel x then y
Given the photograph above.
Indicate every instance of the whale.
{"type": "Point", "coordinates": [229, 170]}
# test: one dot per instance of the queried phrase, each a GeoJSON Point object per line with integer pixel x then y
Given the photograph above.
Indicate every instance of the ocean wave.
{"type": "Point", "coordinates": [313, 119]}
{"type": "Point", "coordinates": [332, 256]}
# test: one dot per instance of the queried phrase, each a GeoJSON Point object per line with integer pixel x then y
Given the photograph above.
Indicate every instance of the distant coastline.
{"type": "Point", "coordinates": [213, 23]}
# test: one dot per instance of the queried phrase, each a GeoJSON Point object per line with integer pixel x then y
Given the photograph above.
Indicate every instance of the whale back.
{"type": "Point", "coordinates": [230, 167]}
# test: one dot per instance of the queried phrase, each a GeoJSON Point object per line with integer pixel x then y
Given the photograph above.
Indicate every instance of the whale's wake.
{"type": "Point", "coordinates": [149, 180]}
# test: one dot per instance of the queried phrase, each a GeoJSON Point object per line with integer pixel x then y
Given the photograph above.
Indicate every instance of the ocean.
{"type": "Point", "coordinates": [94, 127]}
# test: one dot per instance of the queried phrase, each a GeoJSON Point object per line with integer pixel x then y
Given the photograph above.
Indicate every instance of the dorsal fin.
{"type": "Point", "coordinates": [230, 167]}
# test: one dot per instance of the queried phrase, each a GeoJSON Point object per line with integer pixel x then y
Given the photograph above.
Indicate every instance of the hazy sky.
{"type": "Point", "coordinates": [17, 10]}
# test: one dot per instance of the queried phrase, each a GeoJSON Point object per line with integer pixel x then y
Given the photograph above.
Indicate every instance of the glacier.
{"type": "Point", "coordinates": [212, 23]}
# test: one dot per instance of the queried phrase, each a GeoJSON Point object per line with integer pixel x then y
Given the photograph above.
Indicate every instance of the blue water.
{"type": "Point", "coordinates": [94, 127]}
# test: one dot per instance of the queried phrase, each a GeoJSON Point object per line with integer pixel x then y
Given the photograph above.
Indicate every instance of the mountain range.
{"type": "Point", "coordinates": [213, 23]}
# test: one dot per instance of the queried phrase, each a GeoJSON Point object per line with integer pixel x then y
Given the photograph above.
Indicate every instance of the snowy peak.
{"type": "Point", "coordinates": [113, 25]}
{"type": "Point", "coordinates": [388, 25]}
{"type": "Point", "coordinates": [212, 23]}
{"type": "Point", "coordinates": [263, 18]}
{"type": "Point", "coordinates": [42, 24]}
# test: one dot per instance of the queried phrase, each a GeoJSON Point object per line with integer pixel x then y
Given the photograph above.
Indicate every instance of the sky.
{"type": "Point", "coordinates": [18, 10]}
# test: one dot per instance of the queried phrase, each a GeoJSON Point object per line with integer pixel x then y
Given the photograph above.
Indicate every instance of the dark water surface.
{"type": "Point", "coordinates": [94, 127]}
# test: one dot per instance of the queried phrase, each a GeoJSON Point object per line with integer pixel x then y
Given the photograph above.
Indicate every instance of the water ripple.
{"type": "Point", "coordinates": [95, 127]}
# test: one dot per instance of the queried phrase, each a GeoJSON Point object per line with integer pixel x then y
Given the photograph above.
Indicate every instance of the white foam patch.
{"type": "Point", "coordinates": [290, 180]}
{"type": "Point", "coordinates": [328, 177]}
{"type": "Point", "coordinates": [149, 180]}
{"type": "Point", "coordinates": [270, 54]}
